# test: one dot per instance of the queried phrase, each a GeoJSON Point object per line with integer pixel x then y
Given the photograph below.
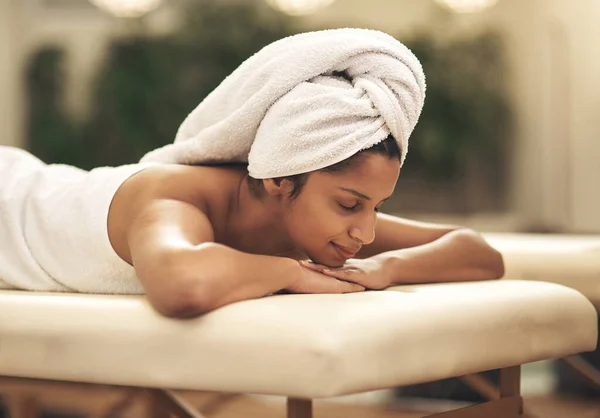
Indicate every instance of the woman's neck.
{"type": "Point", "coordinates": [256, 222]}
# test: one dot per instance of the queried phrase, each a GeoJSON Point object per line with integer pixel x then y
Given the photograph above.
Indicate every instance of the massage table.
{"type": "Point", "coordinates": [302, 347]}
{"type": "Point", "coordinates": [570, 260]}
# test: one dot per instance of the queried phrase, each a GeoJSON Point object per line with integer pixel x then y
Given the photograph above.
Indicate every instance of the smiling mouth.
{"type": "Point", "coordinates": [344, 252]}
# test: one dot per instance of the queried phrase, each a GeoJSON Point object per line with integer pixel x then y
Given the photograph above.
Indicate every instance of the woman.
{"type": "Point", "coordinates": [310, 134]}
{"type": "Point", "coordinates": [203, 237]}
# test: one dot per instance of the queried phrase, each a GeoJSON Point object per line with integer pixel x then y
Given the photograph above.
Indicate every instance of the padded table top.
{"type": "Point", "coordinates": [571, 260]}
{"type": "Point", "coordinates": [295, 345]}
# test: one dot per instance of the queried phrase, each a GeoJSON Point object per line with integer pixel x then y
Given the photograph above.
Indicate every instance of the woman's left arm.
{"type": "Point", "coordinates": [419, 252]}
{"type": "Point", "coordinates": [406, 251]}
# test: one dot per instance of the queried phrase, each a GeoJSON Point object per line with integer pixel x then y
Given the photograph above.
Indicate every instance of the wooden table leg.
{"type": "Point", "coordinates": [510, 381]}
{"type": "Point", "coordinates": [165, 403]}
{"type": "Point", "coordinates": [507, 403]}
{"type": "Point", "coordinates": [481, 385]}
{"type": "Point", "coordinates": [119, 407]}
{"type": "Point", "coordinates": [22, 406]}
{"type": "Point", "coordinates": [584, 369]}
{"type": "Point", "coordinates": [510, 407]}
{"type": "Point", "coordinates": [299, 408]}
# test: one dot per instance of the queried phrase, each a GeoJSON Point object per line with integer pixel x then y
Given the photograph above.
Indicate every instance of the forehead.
{"type": "Point", "coordinates": [374, 175]}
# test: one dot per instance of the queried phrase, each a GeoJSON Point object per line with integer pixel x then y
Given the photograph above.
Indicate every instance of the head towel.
{"type": "Point", "coordinates": [303, 103]}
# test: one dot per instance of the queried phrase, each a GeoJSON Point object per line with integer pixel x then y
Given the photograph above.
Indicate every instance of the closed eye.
{"type": "Point", "coordinates": [362, 196]}
{"type": "Point", "coordinates": [356, 207]}
{"type": "Point", "coordinates": [349, 208]}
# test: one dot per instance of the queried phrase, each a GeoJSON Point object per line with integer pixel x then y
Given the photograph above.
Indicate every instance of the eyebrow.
{"type": "Point", "coordinates": [359, 194]}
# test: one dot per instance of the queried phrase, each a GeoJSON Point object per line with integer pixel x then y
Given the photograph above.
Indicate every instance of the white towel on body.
{"type": "Point", "coordinates": [53, 227]}
{"type": "Point", "coordinates": [304, 103]}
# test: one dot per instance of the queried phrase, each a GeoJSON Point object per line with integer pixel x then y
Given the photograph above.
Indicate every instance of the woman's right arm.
{"type": "Point", "coordinates": [170, 243]}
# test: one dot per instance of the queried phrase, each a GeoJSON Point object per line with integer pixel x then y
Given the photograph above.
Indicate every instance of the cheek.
{"type": "Point", "coordinates": [316, 224]}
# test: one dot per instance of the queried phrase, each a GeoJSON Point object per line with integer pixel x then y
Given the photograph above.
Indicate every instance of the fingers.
{"type": "Point", "coordinates": [326, 284]}
{"type": "Point", "coordinates": [347, 275]}
{"type": "Point", "coordinates": [340, 274]}
{"type": "Point", "coordinates": [315, 282]}
{"type": "Point", "coordinates": [347, 287]}
{"type": "Point", "coordinates": [332, 282]}
{"type": "Point", "coordinates": [312, 266]}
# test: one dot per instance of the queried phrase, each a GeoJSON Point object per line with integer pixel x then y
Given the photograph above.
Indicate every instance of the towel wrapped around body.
{"type": "Point", "coordinates": [53, 227]}
{"type": "Point", "coordinates": [304, 103]}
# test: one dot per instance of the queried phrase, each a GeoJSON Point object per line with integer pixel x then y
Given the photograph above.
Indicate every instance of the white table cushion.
{"type": "Point", "coordinates": [295, 345]}
{"type": "Point", "coordinates": [571, 260]}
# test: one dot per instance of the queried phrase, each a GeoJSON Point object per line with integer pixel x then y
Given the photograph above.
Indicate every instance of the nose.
{"type": "Point", "coordinates": [364, 229]}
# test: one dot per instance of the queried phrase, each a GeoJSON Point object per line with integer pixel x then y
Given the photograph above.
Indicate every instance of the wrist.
{"type": "Point", "coordinates": [291, 271]}
{"type": "Point", "coordinates": [391, 265]}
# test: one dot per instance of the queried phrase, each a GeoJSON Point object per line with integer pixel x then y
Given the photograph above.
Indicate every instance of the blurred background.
{"type": "Point", "coordinates": [508, 139]}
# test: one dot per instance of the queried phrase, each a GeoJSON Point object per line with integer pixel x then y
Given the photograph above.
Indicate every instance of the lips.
{"type": "Point", "coordinates": [345, 252]}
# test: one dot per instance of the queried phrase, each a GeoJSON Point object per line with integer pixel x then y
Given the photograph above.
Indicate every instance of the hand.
{"type": "Point", "coordinates": [308, 280]}
{"type": "Point", "coordinates": [369, 272]}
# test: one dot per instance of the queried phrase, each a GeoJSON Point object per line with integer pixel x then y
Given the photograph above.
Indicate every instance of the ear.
{"type": "Point", "coordinates": [279, 186]}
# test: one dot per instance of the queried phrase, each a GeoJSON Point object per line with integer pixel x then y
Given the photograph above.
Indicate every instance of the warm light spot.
{"type": "Point", "coordinates": [299, 7]}
{"type": "Point", "coordinates": [127, 8]}
{"type": "Point", "coordinates": [467, 6]}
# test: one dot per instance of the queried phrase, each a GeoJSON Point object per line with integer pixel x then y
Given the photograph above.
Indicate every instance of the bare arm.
{"type": "Point", "coordinates": [460, 255]}
{"type": "Point", "coordinates": [395, 233]}
{"type": "Point", "coordinates": [417, 252]}
{"type": "Point", "coordinates": [169, 241]}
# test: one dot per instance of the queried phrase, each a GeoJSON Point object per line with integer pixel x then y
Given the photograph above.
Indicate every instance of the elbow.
{"type": "Point", "coordinates": [490, 261]}
{"type": "Point", "coordinates": [175, 289]}
{"type": "Point", "coordinates": [496, 265]}
{"type": "Point", "coordinates": [494, 262]}
{"type": "Point", "coordinates": [183, 302]}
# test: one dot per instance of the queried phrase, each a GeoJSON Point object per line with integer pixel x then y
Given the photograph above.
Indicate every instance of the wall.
{"type": "Point", "coordinates": [9, 85]}
{"type": "Point", "coordinates": [579, 55]}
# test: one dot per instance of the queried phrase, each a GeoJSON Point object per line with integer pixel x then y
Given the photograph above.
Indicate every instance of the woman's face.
{"type": "Point", "coordinates": [335, 213]}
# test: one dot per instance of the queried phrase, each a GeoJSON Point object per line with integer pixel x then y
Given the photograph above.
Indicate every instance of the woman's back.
{"type": "Point", "coordinates": [53, 227]}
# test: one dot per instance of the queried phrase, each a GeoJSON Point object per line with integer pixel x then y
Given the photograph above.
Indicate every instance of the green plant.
{"type": "Point", "coordinates": [466, 115]}
{"type": "Point", "coordinates": [51, 132]}
{"type": "Point", "coordinates": [147, 85]}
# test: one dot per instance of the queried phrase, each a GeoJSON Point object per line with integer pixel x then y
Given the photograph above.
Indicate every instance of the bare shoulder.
{"type": "Point", "coordinates": [164, 194]}
{"type": "Point", "coordinates": [193, 184]}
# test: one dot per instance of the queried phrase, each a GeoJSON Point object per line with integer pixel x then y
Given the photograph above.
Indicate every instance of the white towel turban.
{"type": "Point", "coordinates": [304, 103]}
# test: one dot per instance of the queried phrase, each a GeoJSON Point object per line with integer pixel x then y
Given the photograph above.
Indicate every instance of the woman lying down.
{"type": "Point", "coordinates": [273, 184]}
